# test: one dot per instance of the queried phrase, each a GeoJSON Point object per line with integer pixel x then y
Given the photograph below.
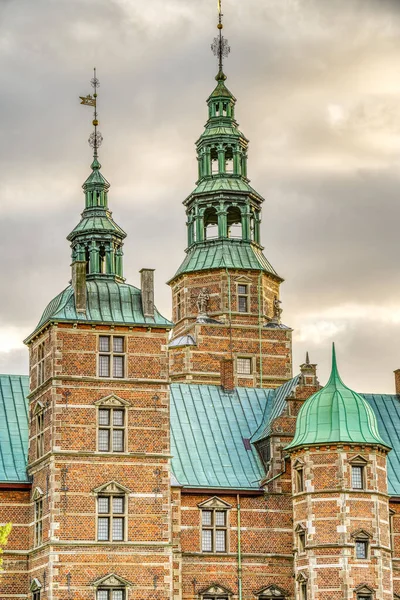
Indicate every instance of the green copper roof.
{"type": "Point", "coordinates": [207, 431]}
{"type": "Point", "coordinates": [13, 427]}
{"type": "Point", "coordinates": [208, 428]}
{"type": "Point", "coordinates": [97, 221]}
{"type": "Point", "coordinates": [224, 184]}
{"type": "Point", "coordinates": [231, 254]}
{"type": "Point", "coordinates": [107, 302]}
{"type": "Point", "coordinates": [336, 414]}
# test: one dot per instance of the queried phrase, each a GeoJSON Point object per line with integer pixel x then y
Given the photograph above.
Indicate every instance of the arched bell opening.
{"type": "Point", "coordinates": [229, 167]}
{"type": "Point", "coordinates": [214, 161]}
{"type": "Point", "coordinates": [234, 221]}
{"type": "Point", "coordinates": [210, 224]}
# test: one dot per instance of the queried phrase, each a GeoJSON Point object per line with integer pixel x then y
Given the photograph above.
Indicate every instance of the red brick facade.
{"type": "Point", "coordinates": [235, 333]}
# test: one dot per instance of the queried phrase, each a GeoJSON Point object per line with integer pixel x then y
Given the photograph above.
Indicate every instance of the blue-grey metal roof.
{"type": "Point", "coordinates": [278, 405]}
{"type": "Point", "coordinates": [13, 427]}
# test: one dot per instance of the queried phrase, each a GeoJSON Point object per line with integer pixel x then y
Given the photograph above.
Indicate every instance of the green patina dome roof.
{"type": "Point", "coordinates": [336, 414]}
{"type": "Point", "coordinates": [107, 302]}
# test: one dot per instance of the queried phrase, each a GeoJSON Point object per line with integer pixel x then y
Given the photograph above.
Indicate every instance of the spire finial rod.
{"type": "Point", "coordinates": [95, 138]}
{"type": "Point", "coordinates": [220, 45]}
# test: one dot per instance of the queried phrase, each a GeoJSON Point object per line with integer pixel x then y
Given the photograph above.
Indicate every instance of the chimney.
{"type": "Point", "coordinates": [397, 381]}
{"type": "Point", "coordinates": [309, 373]}
{"type": "Point", "coordinates": [227, 375]}
{"type": "Point", "coordinates": [79, 284]}
{"type": "Point", "coordinates": [147, 286]}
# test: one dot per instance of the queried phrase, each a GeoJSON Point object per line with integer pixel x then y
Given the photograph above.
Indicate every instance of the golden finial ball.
{"type": "Point", "coordinates": [220, 26]}
{"type": "Point", "coordinates": [95, 122]}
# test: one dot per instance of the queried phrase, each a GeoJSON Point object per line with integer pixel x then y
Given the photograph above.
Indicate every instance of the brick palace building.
{"type": "Point", "coordinates": [147, 459]}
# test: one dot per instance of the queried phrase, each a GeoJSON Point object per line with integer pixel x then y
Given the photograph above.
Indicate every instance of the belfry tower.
{"type": "Point", "coordinates": [226, 293]}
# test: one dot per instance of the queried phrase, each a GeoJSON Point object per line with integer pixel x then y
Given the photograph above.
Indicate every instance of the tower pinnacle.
{"type": "Point", "coordinates": [95, 138]}
{"type": "Point", "coordinates": [220, 46]}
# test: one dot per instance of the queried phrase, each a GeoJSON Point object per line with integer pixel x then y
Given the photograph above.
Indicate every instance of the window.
{"type": "Point", "coordinates": [243, 298]}
{"type": "Point", "coordinates": [111, 436]}
{"type": "Point", "coordinates": [38, 507]}
{"type": "Point", "coordinates": [214, 530]}
{"type": "Point", "coordinates": [361, 549]}
{"type": "Point", "coordinates": [110, 594]}
{"type": "Point", "coordinates": [303, 591]}
{"type": "Point", "coordinates": [301, 540]}
{"type": "Point", "coordinates": [357, 477]}
{"type": "Point", "coordinates": [243, 366]}
{"type": "Point", "coordinates": [36, 595]}
{"type": "Point", "coordinates": [111, 518]}
{"type": "Point", "coordinates": [264, 450]}
{"type": "Point", "coordinates": [364, 597]}
{"type": "Point", "coordinates": [39, 433]}
{"type": "Point", "coordinates": [40, 364]}
{"type": "Point", "coordinates": [179, 305]}
{"type": "Point", "coordinates": [300, 480]}
{"type": "Point", "coordinates": [111, 356]}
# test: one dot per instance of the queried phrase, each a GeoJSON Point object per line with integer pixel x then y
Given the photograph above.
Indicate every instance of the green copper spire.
{"type": "Point", "coordinates": [223, 211]}
{"type": "Point", "coordinates": [336, 414]}
{"type": "Point", "coordinates": [97, 239]}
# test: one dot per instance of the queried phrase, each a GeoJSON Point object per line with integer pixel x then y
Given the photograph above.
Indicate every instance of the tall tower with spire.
{"type": "Point", "coordinates": [226, 293]}
{"type": "Point", "coordinates": [99, 422]}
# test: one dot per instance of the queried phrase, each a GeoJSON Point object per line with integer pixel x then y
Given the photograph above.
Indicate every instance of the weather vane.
{"type": "Point", "coordinates": [220, 45]}
{"type": "Point", "coordinates": [95, 138]}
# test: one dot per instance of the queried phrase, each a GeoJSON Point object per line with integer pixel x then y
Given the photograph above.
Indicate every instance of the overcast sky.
{"type": "Point", "coordinates": [318, 89]}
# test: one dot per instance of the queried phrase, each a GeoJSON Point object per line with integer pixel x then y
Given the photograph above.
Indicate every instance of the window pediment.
{"type": "Point", "coordinates": [361, 534]}
{"type": "Point", "coordinates": [272, 591]}
{"type": "Point", "coordinates": [216, 590]}
{"type": "Point", "coordinates": [112, 580]}
{"type": "Point", "coordinates": [37, 494]}
{"type": "Point", "coordinates": [298, 464]}
{"type": "Point", "coordinates": [215, 502]}
{"type": "Point", "coordinates": [112, 400]}
{"type": "Point", "coordinates": [363, 588]}
{"type": "Point", "coordinates": [112, 487]}
{"type": "Point", "coordinates": [39, 406]}
{"type": "Point", "coordinates": [300, 528]}
{"type": "Point", "coordinates": [35, 585]}
{"type": "Point", "coordinates": [302, 577]}
{"type": "Point", "coordinates": [358, 460]}
{"type": "Point", "coordinates": [243, 279]}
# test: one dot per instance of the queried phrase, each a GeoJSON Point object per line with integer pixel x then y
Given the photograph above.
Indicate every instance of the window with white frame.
{"type": "Point", "coordinates": [111, 356]}
{"type": "Point", "coordinates": [110, 594]}
{"type": "Point", "coordinates": [361, 549]}
{"type": "Point", "coordinates": [357, 477]}
{"type": "Point", "coordinates": [111, 518]}
{"type": "Point", "coordinates": [38, 521]}
{"type": "Point", "coordinates": [243, 298]}
{"type": "Point", "coordinates": [214, 530]}
{"type": "Point", "coordinates": [111, 429]}
{"type": "Point", "coordinates": [40, 363]}
{"type": "Point", "coordinates": [243, 365]}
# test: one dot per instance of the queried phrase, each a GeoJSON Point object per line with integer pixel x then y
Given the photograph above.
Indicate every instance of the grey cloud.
{"type": "Point", "coordinates": [331, 210]}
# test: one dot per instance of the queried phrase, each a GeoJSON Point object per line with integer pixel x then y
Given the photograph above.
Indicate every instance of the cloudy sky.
{"type": "Point", "coordinates": [318, 88]}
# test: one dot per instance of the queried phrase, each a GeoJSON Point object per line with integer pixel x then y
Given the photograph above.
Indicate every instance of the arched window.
{"type": "Point", "coordinates": [210, 224]}
{"type": "Point", "coordinates": [234, 219]}
{"type": "Point", "coordinates": [228, 160]}
{"type": "Point", "coordinates": [102, 258]}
